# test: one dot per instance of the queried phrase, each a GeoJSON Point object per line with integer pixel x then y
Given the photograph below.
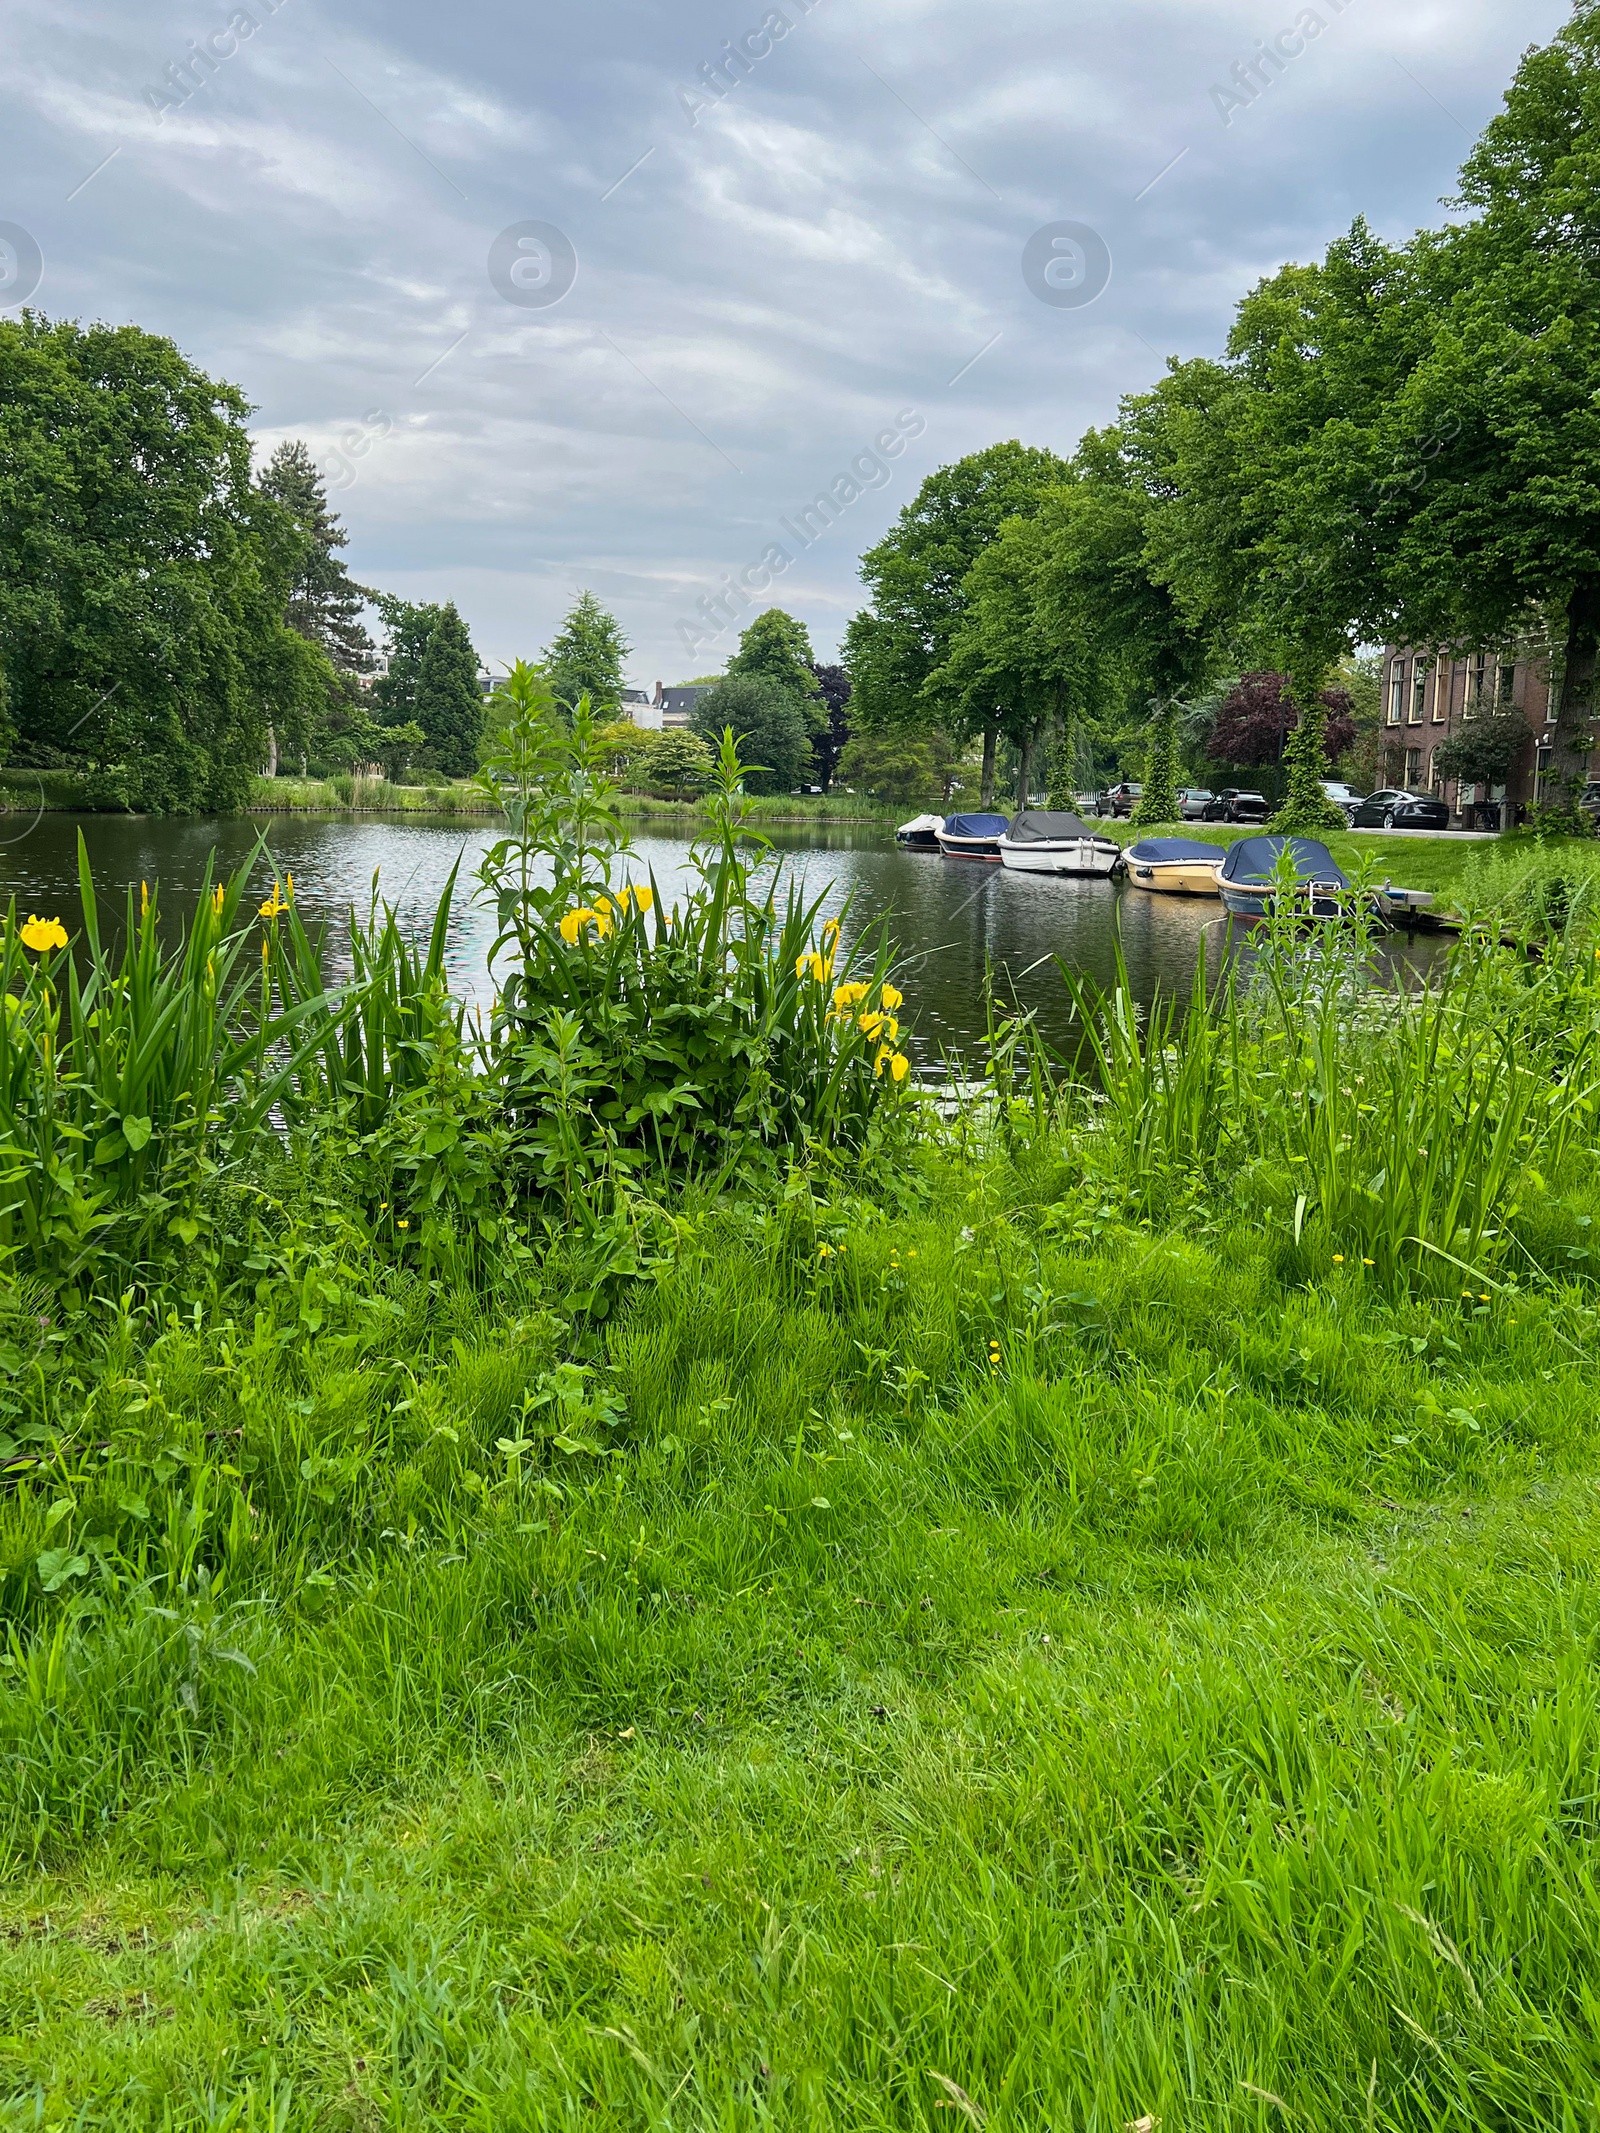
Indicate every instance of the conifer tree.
{"type": "Point", "coordinates": [448, 706]}
{"type": "Point", "coordinates": [325, 603]}
{"type": "Point", "coordinates": [587, 654]}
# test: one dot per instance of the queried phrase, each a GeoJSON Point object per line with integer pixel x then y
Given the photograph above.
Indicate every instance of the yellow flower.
{"type": "Point", "coordinates": [830, 933]}
{"type": "Point", "coordinates": [899, 1066]}
{"type": "Point", "coordinates": [216, 900]}
{"type": "Point", "coordinates": [144, 899]}
{"type": "Point", "coordinates": [1369, 1262]}
{"type": "Point", "coordinates": [824, 1251]}
{"type": "Point", "coordinates": [604, 903]}
{"type": "Point", "coordinates": [574, 922]}
{"type": "Point", "coordinates": [891, 998]}
{"type": "Point", "coordinates": [818, 966]}
{"type": "Point", "coordinates": [43, 934]}
{"type": "Point", "coordinates": [276, 904]}
{"type": "Point", "coordinates": [290, 879]}
{"type": "Point", "coordinates": [1338, 1258]}
{"type": "Point", "coordinates": [643, 895]}
{"type": "Point", "coordinates": [848, 995]}
{"type": "Point", "coordinates": [402, 1223]}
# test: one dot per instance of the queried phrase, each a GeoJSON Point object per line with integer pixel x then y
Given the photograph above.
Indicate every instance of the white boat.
{"type": "Point", "coordinates": [972, 836]}
{"type": "Point", "coordinates": [1041, 842]}
{"type": "Point", "coordinates": [920, 834]}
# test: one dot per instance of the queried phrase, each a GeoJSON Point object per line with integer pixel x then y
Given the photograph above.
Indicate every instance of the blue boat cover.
{"type": "Point", "coordinates": [1255, 859]}
{"type": "Point", "coordinates": [975, 825]}
{"type": "Point", "coordinates": [1174, 848]}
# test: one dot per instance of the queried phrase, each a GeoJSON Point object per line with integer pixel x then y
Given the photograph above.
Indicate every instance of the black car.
{"type": "Point", "coordinates": [1234, 805]}
{"type": "Point", "coordinates": [1393, 809]}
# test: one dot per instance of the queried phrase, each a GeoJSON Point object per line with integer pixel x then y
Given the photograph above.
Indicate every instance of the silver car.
{"type": "Point", "coordinates": [1193, 800]}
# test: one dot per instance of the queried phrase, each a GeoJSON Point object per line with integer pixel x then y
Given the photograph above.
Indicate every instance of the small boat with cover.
{"type": "Point", "coordinates": [920, 834]}
{"type": "Point", "coordinates": [1175, 866]}
{"type": "Point", "coordinates": [1248, 879]}
{"type": "Point", "coordinates": [1040, 841]}
{"type": "Point", "coordinates": [972, 836]}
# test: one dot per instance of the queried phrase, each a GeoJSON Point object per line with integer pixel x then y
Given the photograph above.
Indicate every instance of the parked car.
{"type": "Point", "coordinates": [1193, 800]}
{"type": "Point", "coordinates": [1344, 797]}
{"type": "Point", "coordinates": [1123, 799]}
{"type": "Point", "coordinates": [1589, 799]}
{"type": "Point", "coordinates": [1233, 804]}
{"type": "Point", "coordinates": [1391, 808]}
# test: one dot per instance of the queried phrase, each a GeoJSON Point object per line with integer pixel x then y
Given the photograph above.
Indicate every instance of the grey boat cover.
{"type": "Point", "coordinates": [1155, 849]}
{"type": "Point", "coordinates": [975, 826]}
{"type": "Point", "coordinates": [1036, 825]}
{"type": "Point", "coordinates": [1254, 860]}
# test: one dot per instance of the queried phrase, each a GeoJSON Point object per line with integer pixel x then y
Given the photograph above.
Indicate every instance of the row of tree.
{"type": "Point", "coordinates": [1399, 445]}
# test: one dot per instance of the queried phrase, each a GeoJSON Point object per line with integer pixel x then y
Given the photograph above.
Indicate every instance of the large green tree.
{"type": "Point", "coordinates": [448, 705]}
{"type": "Point", "coordinates": [898, 649]}
{"type": "Point", "coordinates": [325, 603]}
{"type": "Point", "coordinates": [587, 655]}
{"type": "Point", "coordinates": [777, 646]}
{"type": "Point", "coordinates": [144, 579]}
{"type": "Point", "coordinates": [767, 718]}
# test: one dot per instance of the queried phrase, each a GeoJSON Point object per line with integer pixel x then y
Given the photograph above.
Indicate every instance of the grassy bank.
{"type": "Point", "coordinates": [377, 796]}
{"type": "Point", "coordinates": [621, 1568]}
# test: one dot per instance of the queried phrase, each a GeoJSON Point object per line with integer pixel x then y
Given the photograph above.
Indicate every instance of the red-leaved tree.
{"type": "Point", "coordinates": [1257, 716]}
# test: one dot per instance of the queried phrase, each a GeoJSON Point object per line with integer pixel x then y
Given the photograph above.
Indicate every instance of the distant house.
{"type": "Point", "coordinates": [676, 706]}
{"type": "Point", "coordinates": [637, 705]}
{"type": "Point", "coordinates": [1428, 696]}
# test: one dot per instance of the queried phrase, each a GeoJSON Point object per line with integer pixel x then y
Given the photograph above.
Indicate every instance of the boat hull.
{"type": "Point", "coordinates": [1313, 900]}
{"type": "Point", "coordinates": [970, 847]}
{"type": "Point", "coordinates": [1078, 855]}
{"type": "Point", "coordinates": [1175, 877]}
{"type": "Point", "coordinates": [917, 840]}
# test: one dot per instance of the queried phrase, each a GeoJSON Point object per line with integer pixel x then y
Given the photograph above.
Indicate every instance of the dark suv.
{"type": "Point", "coordinates": [1234, 805]}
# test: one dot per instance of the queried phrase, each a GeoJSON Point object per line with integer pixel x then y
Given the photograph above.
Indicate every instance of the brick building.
{"type": "Point", "coordinates": [1427, 696]}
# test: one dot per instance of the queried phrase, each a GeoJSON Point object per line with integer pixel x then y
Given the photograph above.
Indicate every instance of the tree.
{"type": "Point", "coordinates": [898, 649]}
{"type": "Point", "coordinates": [587, 653]}
{"type": "Point", "coordinates": [407, 627]}
{"type": "Point", "coordinates": [628, 749]}
{"type": "Point", "coordinates": [767, 719]}
{"type": "Point", "coordinates": [909, 769]}
{"type": "Point", "coordinates": [325, 604]}
{"type": "Point", "coordinates": [1158, 797]}
{"type": "Point", "coordinates": [1487, 749]}
{"type": "Point", "coordinates": [679, 764]}
{"type": "Point", "coordinates": [447, 705]}
{"type": "Point", "coordinates": [1255, 718]}
{"type": "Point", "coordinates": [778, 645]}
{"type": "Point", "coordinates": [833, 688]}
{"type": "Point", "coordinates": [143, 576]}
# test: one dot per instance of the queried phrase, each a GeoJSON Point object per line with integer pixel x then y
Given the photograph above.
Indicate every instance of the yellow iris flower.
{"type": "Point", "coordinates": [819, 966]}
{"type": "Point", "coordinates": [846, 996]}
{"type": "Point", "coordinates": [43, 934]}
{"type": "Point", "coordinates": [890, 997]}
{"type": "Point", "coordinates": [643, 895]}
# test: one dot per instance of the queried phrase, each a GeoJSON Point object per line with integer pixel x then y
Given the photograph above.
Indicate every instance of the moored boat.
{"type": "Point", "coordinates": [1040, 841]}
{"type": "Point", "coordinates": [920, 834]}
{"type": "Point", "coordinates": [1175, 866]}
{"type": "Point", "coordinates": [1248, 880]}
{"type": "Point", "coordinates": [972, 836]}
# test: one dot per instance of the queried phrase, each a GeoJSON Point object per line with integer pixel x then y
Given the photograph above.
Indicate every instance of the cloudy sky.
{"type": "Point", "coordinates": [774, 265]}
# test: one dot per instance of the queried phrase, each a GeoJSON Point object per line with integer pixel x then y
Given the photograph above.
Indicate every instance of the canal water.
{"type": "Point", "coordinates": [953, 920]}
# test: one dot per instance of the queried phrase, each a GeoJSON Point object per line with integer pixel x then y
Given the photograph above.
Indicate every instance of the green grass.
{"type": "Point", "coordinates": [1185, 1702]}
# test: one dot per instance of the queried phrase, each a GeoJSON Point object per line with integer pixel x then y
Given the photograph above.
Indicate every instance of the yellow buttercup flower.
{"type": "Point", "coordinates": [43, 934]}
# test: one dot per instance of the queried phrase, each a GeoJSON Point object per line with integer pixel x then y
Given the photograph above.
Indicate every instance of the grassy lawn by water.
{"type": "Point", "coordinates": [1019, 1662]}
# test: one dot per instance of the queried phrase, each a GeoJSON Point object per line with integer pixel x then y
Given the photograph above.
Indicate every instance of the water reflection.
{"type": "Point", "coordinates": [952, 919]}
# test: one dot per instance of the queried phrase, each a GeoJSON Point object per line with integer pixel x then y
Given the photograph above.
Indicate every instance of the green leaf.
{"type": "Point", "coordinates": [185, 1228]}
{"type": "Point", "coordinates": [136, 1132]}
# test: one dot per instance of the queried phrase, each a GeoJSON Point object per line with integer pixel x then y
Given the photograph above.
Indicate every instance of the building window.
{"type": "Point", "coordinates": [1413, 768]}
{"type": "Point", "coordinates": [1476, 683]}
{"type": "Point", "coordinates": [1441, 690]}
{"type": "Point", "coordinates": [1419, 691]}
{"type": "Point", "coordinates": [1508, 682]}
{"type": "Point", "coordinates": [1397, 690]}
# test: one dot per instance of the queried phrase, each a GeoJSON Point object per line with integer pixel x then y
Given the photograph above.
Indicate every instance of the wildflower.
{"type": "Point", "coordinates": [217, 895]}
{"type": "Point", "coordinates": [1369, 1262]}
{"type": "Point", "coordinates": [824, 1251]}
{"type": "Point", "coordinates": [289, 878]}
{"type": "Point", "coordinates": [846, 996]}
{"type": "Point", "coordinates": [899, 1066]}
{"type": "Point", "coordinates": [1338, 1258]}
{"type": "Point", "coordinates": [402, 1223]}
{"type": "Point", "coordinates": [819, 966]}
{"type": "Point", "coordinates": [276, 904]}
{"type": "Point", "coordinates": [43, 934]}
{"type": "Point", "coordinates": [144, 899]}
{"type": "Point", "coordinates": [575, 921]}
{"type": "Point", "coordinates": [643, 895]}
{"type": "Point", "coordinates": [890, 997]}
{"type": "Point", "coordinates": [830, 933]}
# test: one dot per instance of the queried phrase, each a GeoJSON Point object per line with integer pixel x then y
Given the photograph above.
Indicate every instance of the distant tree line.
{"type": "Point", "coordinates": [1397, 446]}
